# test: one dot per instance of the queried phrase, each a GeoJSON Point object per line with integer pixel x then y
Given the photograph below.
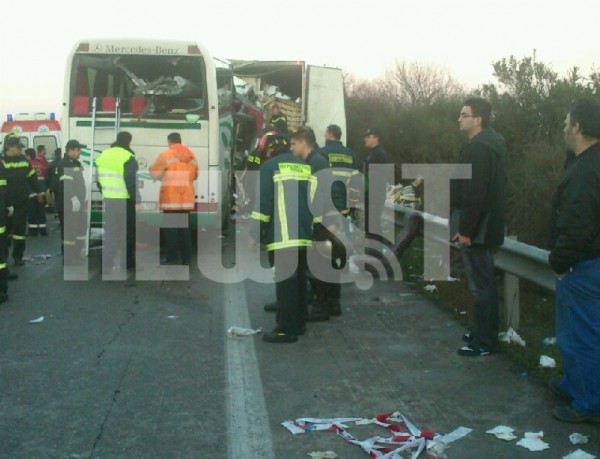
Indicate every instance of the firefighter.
{"type": "Point", "coordinates": [117, 180]}
{"type": "Point", "coordinates": [69, 193]}
{"type": "Point", "coordinates": [279, 120]}
{"type": "Point", "coordinates": [4, 274]}
{"type": "Point", "coordinates": [21, 180]}
{"type": "Point", "coordinates": [37, 211]}
{"type": "Point", "coordinates": [283, 217]}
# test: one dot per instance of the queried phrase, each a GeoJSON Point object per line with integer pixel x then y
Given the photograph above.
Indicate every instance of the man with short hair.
{"type": "Point", "coordinates": [575, 259]}
{"type": "Point", "coordinates": [478, 207]}
{"type": "Point", "coordinates": [117, 180]}
{"type": "Point", "coordinates": [21, 181]}
{"type": "Point", "coordinates": [373, 203]}
{"type": "Point", "coordinates": [283, 221]}
{"type": "Point", "coordinates": [177, 169]}
{"type": "Point", "coordinates": [70, 194]}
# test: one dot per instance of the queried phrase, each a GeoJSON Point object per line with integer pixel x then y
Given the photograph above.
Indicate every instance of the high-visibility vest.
{"type": "Point", "coordinates": [111, 169]}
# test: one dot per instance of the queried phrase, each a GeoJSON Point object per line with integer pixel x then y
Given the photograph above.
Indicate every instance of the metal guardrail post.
{"type": "Point", "coordinates": [511, 313]}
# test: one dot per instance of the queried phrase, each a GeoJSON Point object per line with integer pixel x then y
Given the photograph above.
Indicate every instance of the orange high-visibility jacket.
{"type": "Point", "coordinates": [176, 167]}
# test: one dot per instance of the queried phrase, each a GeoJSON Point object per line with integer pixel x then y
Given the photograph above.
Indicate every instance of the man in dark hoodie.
{"type": "Point", "coordinates": [575, 259]}
{"type": "Point", "coordinates": [479, 204]}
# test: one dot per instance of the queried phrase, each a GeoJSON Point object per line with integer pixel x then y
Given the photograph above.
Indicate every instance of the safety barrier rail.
{"type": "Point", "coordinates": [515, 259]}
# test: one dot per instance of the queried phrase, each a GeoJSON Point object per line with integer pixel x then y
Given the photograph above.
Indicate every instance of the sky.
{"type": "Point", "coordinates": [361, 37]}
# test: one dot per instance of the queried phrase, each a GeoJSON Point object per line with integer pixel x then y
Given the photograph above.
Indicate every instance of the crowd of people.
{"type": "Point", "coordinates": [304, 195]}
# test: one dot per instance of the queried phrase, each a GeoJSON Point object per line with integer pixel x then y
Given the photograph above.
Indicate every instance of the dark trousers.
{"type": "Point", "coordinates": [119, 233]}
{"type": "Point", "coordinates": [328, 291]}
{"type": "Point", "coordinates": [373, 209]}
{"type": "Point", "coordinates": [37, 217]}
{"type": "Point", "coordinates": [16, 226]}
{"type": "Point", "coordinates": [479, 270]}
{"type": "Point", "coordinates": [290, 289]}
{"type": "Point", "coordinates": [179, 241]}
{"type": "Point", "coordinates": [73, 232]}
{"type": "Point", "coordinates": [578, 334]}
{"type": "Point", "coordinates": [3, 265]}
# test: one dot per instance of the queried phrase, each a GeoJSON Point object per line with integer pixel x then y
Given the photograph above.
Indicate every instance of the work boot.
{"type": "Point", "coordinates": [18, 261]}
{"type": "Point", "coordinates": [3, 298]}
{"type": "Point", "coordinates": [318, 313]}
{"type": "Point", "coordinates": [271, 307]}
{"type": "Point", "coordinates": [334, 309]}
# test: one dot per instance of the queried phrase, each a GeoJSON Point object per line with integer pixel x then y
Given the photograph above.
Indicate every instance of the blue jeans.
{"type": "Point", "coordinates": [479, 270]}
{"type": "Point", "coordinates": [578, 334]}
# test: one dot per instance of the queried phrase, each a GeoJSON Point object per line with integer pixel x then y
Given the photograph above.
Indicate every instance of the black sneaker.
{"type": "Point", "coordinates": [554, 385]}
{"type": "Point", "coordinates": [271, 307]}
{"type": "Point", "coordinates": [279, 336]}
{"type": "Point", "coordinates": [567, 413]}
{"type": "Point", "coordinates": [468, 337]}
{"type": "Point", "coordinates": [472, 351]}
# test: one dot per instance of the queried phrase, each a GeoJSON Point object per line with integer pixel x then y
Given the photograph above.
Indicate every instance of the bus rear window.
{"type": "Point", "coordinates": [147, 86]}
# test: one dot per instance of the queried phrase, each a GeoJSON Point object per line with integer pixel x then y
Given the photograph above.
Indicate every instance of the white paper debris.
{"type": "Point", "coordinates": [579, 454]}
{"type": "Point", "coordinates": [239, 331]}
{"type": "Point", "coordinates": [503, 433]}
{"type": "Point", "coordinates": [293, 428]}
{"type": "Point", "coordinates": [323, 455]}
{"type": "Point", "coordinates": [456, 434]}
{"type": "Point", "coordinates": [549, 341]}
{"type": "Point", "coordinates": [220, 236]}
{"type": "Point", "coordinates": [37, 321]}
{"type": "Point", "coordinates": [533, 441]}
{"type": "Point", "coordinates": [511, 336]}
{"type": "Point", "coordinates": [453, 279]}
{"type": "Point", "coordinates": [547, 362]}
{"type": "Point", "coordinates": [171, 317]}
{"type": "Point", "coordinates": [578, 439]}
{"type": "Point", "coordinates": [430, 288]}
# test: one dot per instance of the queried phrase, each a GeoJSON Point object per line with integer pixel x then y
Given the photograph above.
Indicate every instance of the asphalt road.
{"type": "Point", "coordinates": [144, 369]}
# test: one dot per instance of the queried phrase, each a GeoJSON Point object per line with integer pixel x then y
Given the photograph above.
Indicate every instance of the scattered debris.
{"type": "Point", "coordinates": [511, 336]}
{"type": "Point", "coordinates": [579, 454]}
{"type": "Point", "coordinates": [462, 313]}
{"type": "Point", "coordinates": [550, 341]}
{"type": "Point", "coordinates": [578, 439]}
{"type": "Point", "coordinates": [171, 317]}
{"type": "Point", "coordinates": [403, 195]}
{"type": "Point", "coordinates": [430, 288]}
{"type": "Point", "coordinates": [533, 441]}
{"type": "Point", "coordinates": [32, 258]}
{"type": "Point", "coordinates": [232, 332]}
{"type": "Point", "coordinates": [503, 433]}
{"type": "Point", "coordinates": [37, 321]}
{"type": "Point", "coordinates": [323, 455]}
{"type": "Point", "coordinates": [405, 436]}
{"type": "Point", "coordinates": [453, 279]}
{"type": "Point", "coordinates": [547, 362]}
{"type": "Point", "coordinates": [220, 236]}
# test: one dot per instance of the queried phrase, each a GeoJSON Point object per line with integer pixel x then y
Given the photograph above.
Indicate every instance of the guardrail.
{"type": "Point", "coordinates": [516, 259]}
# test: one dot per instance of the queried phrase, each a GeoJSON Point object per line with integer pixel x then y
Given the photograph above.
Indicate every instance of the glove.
{"type": "Point", "coordinates": [76, 204]}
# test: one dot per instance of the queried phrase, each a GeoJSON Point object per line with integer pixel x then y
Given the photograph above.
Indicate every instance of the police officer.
{"type": "Point", "coordinates": [21, 180]}
{"type": "Point", "coordinates": [69, 192]}
{"type": "Point", "coordinates": [373, 203]}
{"type": "Point", "coordinates": [283, 217]}
{"type": "Point", "coordinates": [3, 244]}
{"type": "Point", "coordinates": [117, 180]}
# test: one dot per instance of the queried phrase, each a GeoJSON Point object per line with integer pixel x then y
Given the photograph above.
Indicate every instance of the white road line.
{"type": "Point", "coordinates": [249, 433]}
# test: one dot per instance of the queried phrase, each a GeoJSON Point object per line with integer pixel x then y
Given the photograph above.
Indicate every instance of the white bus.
{"type": "Point", "coordinates": [151, 88]}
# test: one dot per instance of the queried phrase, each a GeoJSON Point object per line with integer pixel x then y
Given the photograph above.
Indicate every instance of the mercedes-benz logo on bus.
{"type": "Point", "coordinates": [97, 48]}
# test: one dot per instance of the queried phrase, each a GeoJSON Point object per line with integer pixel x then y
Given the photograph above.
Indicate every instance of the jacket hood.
{"type": "Point", "coordinates": [182, 153]}
{"type": "Point", "coordinates": [492, 139]}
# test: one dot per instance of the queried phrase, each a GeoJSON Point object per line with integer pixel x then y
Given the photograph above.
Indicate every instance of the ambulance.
{"type": "Point", "coordinates": [34, 129]}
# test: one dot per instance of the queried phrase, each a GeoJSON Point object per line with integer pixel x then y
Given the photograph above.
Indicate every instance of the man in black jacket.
{"type": "Point", "coordinates": [575, 259]}
{"type": "Point", "coordinates": [480, 203]}
{"type": "Point", "coordinates": [375, 201]}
